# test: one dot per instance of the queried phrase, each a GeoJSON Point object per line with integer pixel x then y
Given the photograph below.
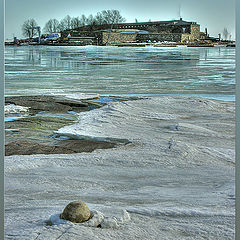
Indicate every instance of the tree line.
{"type": "Point", "coordinates": [68, 23]}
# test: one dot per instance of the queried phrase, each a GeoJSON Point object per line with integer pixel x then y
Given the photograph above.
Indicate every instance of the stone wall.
{"type": "Point", "coordinates": [77, 34]}
{"type": "Point", "coordinates": [193, 36]}
{"type": "Point", "coordinates": [118, 37]}
{"type": "Point", "coordinates": [195, 31]}
{"type": "Point", "coordinates": [187, 37]}
{"type": "Point", "coordinates": [159, 37]}
{"type": "Point", "coordinates": [162, 32]}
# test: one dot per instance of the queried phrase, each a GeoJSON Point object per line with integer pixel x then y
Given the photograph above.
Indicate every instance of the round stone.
{"type": "Point", "coordinates": [76, 212]}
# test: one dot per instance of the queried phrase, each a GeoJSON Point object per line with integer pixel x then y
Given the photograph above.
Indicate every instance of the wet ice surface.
{"type": "Point", "coordinates": [175, 179]}
{"type": "Point", "coordinates": [112, 70]}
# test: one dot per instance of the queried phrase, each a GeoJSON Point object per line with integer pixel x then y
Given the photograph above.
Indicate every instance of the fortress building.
{"type": "Point", "coordinates": [158, 31]}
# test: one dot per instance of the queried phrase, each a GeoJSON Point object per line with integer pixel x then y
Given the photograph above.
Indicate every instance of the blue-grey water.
{"type": "Point", "coordinates": [208, 72]}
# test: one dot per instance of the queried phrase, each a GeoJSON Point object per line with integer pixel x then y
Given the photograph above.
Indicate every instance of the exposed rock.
{"type": "Point", "coordinates": [32, 133]}
{"type": "Point", "coordinates": [46, 103]}
{"type": "Point", "coordinates": [28, 147]}
{"type": "Point", "coordinates": [23, 147]}
{"type": "Point", "coordinates": [76, 212]}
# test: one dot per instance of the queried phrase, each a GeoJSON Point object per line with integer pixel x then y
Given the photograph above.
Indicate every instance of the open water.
{"type": "Point", "coordinates": [207, 72]}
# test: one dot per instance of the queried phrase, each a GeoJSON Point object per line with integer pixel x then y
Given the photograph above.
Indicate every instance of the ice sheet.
{"type": "Point", "coordinates": [175, 178]}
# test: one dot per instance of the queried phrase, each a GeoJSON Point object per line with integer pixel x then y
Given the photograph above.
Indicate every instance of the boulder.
{"type": "Point", "coordinates": [76, 212]}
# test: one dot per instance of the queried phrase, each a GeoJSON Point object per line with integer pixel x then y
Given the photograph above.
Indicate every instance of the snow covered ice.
{"type": "Point", "coordinates": [174, 179]}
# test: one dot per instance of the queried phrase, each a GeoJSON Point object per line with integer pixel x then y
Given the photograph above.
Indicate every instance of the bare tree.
{"type": "Point", "coordinates": [76, 22]}
{"type": "Point", "coordinates": [28, 29]}
{"type": "Point", "coordinates": [99, 18]}
{"type": "Point", "coordinates": [65, 23]}
{"type": "Point", "coordinates": [225, 33]}
{"type": "Point", "coordinates": [90, 20]}
{"type": "Point", "coordinates": [83, 20]}
{"type": "Point", "coordinates": [112, 16]}
{"type": "Point", "coordinates": [61, 26]}
{"type": "Point", "coordinates": [52, 26]}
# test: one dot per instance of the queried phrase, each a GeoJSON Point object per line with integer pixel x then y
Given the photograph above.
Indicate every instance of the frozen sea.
{"type": "Point", "coordinates": [209, 72]}
{"type": "Point", "coordinates": [174, 179]}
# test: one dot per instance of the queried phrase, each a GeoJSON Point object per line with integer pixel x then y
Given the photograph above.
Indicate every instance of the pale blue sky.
{"type": "Point", "coordinates": [211, 14]}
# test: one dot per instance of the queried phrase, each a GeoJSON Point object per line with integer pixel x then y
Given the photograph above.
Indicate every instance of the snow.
{"type": "Point", "coordinates": [97, 220]}
{"type": "Point", "coordinates": [12, 108]}
{"type": "Point", "coordinates": [166, 183]}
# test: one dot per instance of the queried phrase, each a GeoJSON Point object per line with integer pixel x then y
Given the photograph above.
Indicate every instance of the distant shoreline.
{"type": "Point", "coordinates": [130, 44]}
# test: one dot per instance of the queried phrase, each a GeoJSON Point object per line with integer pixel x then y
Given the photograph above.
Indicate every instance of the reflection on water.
{"type": "Point", "coordinates": [120, 71]}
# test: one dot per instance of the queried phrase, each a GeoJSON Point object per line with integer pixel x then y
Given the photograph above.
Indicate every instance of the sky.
{"type": "Point", "coordinates": [215, 15]}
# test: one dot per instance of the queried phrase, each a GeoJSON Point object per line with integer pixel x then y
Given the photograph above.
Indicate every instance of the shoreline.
{"type": "Point", "coordinates": [37, 131]}
{"type": "Point", "coordinates": [32, 131]}
{"type": "Point", "coordinates": [221, 97]}
{"type": "Point", "coordinates": [128, 44]}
